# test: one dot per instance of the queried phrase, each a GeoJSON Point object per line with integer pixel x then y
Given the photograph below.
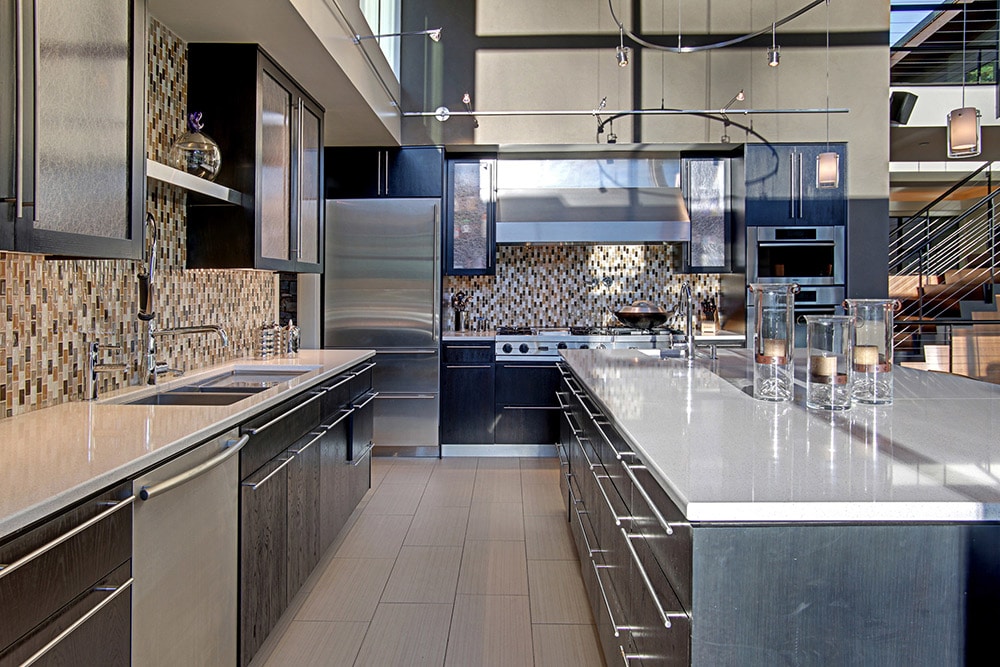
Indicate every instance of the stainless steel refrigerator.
{"type": "Point", "coordinates": [381, 291]}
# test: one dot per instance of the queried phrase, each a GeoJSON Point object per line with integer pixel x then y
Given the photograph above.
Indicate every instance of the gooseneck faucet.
{"type": "Point", "coordinates": [156, 368]}
{"type": "Point", "coordinates": [689, 317]}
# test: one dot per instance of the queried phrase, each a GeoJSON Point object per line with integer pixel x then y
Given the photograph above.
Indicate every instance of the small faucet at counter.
{"type": "Point", "coordinates": [156, 368]}
{"type": "Point", "coordinates": [94, 366]}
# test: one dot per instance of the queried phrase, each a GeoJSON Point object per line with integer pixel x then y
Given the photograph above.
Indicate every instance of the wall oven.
{"type": "Point", "coordinates": [803, 255]}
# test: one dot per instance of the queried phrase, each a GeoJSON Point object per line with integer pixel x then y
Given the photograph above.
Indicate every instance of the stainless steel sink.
{"type": "Point", "coordinates": [185, 397]}
{"type": "Point", "coordinates": [247, 379]}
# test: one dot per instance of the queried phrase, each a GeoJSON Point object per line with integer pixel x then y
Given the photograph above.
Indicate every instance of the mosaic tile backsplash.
{"type": "Point", "coordinates": [50, 309]}
{"type": "Point", "coordinates": [559, 286]}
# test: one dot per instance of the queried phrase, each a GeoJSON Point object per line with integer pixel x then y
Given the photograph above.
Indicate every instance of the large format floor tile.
{"type": "Point", "coordinates": [395, 498]}
{"type": "Point", "coordinates": [495, 521]}
{"type": "Point", "coordinates": [375, 536]}
{"type": "Point", "coordinates": [490, 630]}
{"type": "Point", "coordinates": [438, 527]}
{"type": "Point", "coordinates": [557, 593]}
{"type": "Point", "coordinates": [548, 538]}
{"type": "Point", "coordinates": [424, 574]}
{"type": "Point", "coordinates": [566, 646]}
{"type": "Point", "coordinates": [318, 644]}
{"type": "Point", "coordinates": [493, 568]}
{"type": "Point", "coordinates": [348, 590]}
{"type": "Point", "coordinates": [406, 634]}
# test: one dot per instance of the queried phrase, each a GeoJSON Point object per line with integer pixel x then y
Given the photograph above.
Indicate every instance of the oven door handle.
{"type": "Point", "coordinates": [797, 242]}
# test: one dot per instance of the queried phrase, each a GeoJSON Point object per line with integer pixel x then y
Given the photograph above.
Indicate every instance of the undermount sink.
{"type": "Point", "coordinates": [192, 396]}
{"type": "Point", "coordinates": [249, 379]}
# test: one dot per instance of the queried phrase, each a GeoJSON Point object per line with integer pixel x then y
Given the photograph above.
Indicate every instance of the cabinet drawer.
{"type": "Point", "coordinates": [98, 625]}
{"type": "Point", "coordinates": [527, 384]}
{"type": "Point", "coordinates": [363, 379]}
{"type": "Point", "coordinates": [32, 591]}
{"type": "Point", "coordinates": [671, 548]}
{"type": "Point", "coordinates": [526, 425]}
{"type": "Point", "coordinates": [271, 432]}
{"type": "Point", "coordinates": [337, 397]}
{"type": "Point", "coordinates": [651, 599]}
{"type": "Point", "coordinates": [479, 352]}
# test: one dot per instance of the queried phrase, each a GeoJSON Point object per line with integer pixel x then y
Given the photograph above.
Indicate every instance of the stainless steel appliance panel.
{"type": "Point", "coordinates": [803, 255]}
{"type": "Point", "coordinates": [184, 606]}
{"type": "Point", "coordinates": [406, 420]}
{"type": "Point", "coordinates": [404, 371]}
{"type": "Point", "coordinates": [382, 276]}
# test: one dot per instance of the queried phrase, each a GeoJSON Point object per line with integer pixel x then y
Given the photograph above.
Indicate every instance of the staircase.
{"type": "Point", "coordinates": [944, 268]}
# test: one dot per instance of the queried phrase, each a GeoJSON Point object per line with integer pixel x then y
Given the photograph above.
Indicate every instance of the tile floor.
{"type": "Point", "coordinates": [457, 562]}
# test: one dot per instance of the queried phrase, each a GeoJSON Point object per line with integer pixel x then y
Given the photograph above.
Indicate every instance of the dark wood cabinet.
{"type": "Point", "coordinates": [469, 232]}
{"type": "Point", "coordinates": [369, 172]}
{"type": "Point", "coordinates": [527, 411]}
{"type": "Point", "coordinates": [86, 573]}
{"type": "Point", "coordinates": [72, 163]}
{"type": "Point", "coordinates": [270, 133]}
{"type": "Point", "coordinates": [781, 186]}
{"type": "Point", "coordinates": [335, 480]}
{"type": "Point", "coordinates": [467, 393]}
{"type": "Point", "coordinates": [304, 491]}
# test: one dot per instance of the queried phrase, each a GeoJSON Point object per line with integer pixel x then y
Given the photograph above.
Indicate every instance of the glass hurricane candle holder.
{"type": "Point", "coordinates": [828, 341]}
{"type": "Point", "coordinates": [871, 361]}
{"type": "Point", "coordinates": [774, 340]}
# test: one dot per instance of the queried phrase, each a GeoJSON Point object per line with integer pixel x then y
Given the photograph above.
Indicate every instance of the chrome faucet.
{"type": "Point", "coordinates": [94, 367]}
{"type": "Point", "coordinates": [689, 317]}
{"type": "Point", "coordinates": [156, 368]}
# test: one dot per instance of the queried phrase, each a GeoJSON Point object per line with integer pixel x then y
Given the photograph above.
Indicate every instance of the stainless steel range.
{"type": "Point", "coordinates": [526, 344]}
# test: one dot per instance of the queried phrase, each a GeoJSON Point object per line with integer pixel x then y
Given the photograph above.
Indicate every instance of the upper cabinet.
{"type": "Point", "coordinates": [708, 195]}
{"type": "Point", "coordinates": [365, 173]}
{"type": "Point", "coordinates": [470, 222]}
{"type": "Point", "coordinates": [270, 133]}
{"type": "Point", "coordinates": [781, 186]}
{"type": "Point", "coordinates": [71, 127]}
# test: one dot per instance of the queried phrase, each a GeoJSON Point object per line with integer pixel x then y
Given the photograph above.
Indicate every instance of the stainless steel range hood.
{"type": "Point", "coordinates": [611, 215]}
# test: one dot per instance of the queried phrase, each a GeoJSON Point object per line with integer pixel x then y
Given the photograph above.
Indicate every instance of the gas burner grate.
{"type": "Point", "coordinates": [515, 331]}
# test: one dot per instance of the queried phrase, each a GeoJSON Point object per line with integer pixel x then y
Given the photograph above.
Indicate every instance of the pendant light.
{"type": "Point", "coordinates": [828, 163]}
{"type": "Point", "coordinates": [621, 51]}
{"type": "Point", "coordinates": [773, 51]}
{"type": "Point", "coordinates": [964, 138]}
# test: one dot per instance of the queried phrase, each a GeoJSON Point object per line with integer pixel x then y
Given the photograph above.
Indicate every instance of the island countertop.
{"type": "Point", "coordinates": [56, 456]}
{"type": "Point", "coordinates": [723, 456]}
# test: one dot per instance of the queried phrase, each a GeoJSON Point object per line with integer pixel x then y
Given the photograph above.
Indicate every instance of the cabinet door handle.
{"type": "Point", "coordinates": [300, 159]}
{"type": "Point", "coordinates": [78, 622]}
{"type": "Point", "coordinates": [364, 454]}
{"type": "Point", "coordinates": [666, 525]}
{"type": "Point", "coordinates": [542, 366]}
{"type": "Point", "coordinates": [664, 615]}
{"type": "Point", "coordinates": [19, 110]}
{"type": "Point", "coordinates": [253, 485]}
{"type": "Point", "coordinates": [469, 347]}
{"type": "Point", "coordinates": [378, 172]}
{"type": "Point", "coordinates": [583, 531]}
{"type": "Point", "coordinates": [618, 453]}
{"type": "Point", "coordinates": [583, 450]}
{"type": "Point", "coordinates": [572, 427]}
{"type": "Point", "coordinates": [607, 603]}
{"type": "Point", "coordinates": [261, 429]}
{"type": "Point", "coordinates": [232, 447]}
{"type": "Point", "coordinates": [801, 187]}
{"type": "Point", "coordinates": [371, 397]}
{"type": "Point", "coordinates": [531, 407]}
{"type": "Point", "coordinates": [367, 367]}
{"type": "Point", "coordinates": [469, 366]}
{"type": "Point", "coordinates": [48, 546]}
{"type": "Point", "coordinates": [318, 436]}
{"type": "Point", "coordinates": [791, 184]}
{"type": "Point", "coordinates": [344, 380]}
{"type": "Point", "coordinates": [386, 166]}
{"type": "Point", "coordinates": [344, 413]}
{"type": "Point", "coordinates": [607, 500]}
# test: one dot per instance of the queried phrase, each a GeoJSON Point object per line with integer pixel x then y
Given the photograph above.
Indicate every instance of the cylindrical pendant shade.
{"type": "Point", "coordinates": [828, 170]}
{"type": "Point", "coordinates": [963, 133]}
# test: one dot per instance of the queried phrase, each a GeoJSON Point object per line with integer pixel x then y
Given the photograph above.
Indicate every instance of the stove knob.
{"type": "Point", "coordinates": [602, 346]}
{"type": "Point", "coordinates": [507, 347]}
{"type": "Point", "coordinates": [584, 346]}
{"type": "Point", "coordinates": [561, 346]}
{"type": "Point", "coordinates": [523, 348]}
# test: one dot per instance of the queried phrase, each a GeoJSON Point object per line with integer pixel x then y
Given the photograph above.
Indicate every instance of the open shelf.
{"type": "Point", "coordinates": [191, 183]}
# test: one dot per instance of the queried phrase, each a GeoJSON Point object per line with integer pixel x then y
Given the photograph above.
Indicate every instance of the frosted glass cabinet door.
{"type": "Point", "coordinates": [276, 169]}
{"type": "Point", "coordinates": [469, 236]}
{"type": "Point", "coordinates": [311, 187]}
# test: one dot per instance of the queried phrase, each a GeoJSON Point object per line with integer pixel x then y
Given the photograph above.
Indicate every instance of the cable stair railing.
{"type": "Point", "coordinates": [943, 268]}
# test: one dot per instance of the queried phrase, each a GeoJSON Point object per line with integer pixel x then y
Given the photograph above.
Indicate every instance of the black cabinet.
{"type": "Point", "coordinates": [469, 232]}
{"type": "Point", "coordinates": [527, 410]}
{"type": "Point", "coordinates": [72, 163]}
{"type": "Point", "coordinates": [367, 172]}
{"type": "Point", "coordinates": [467, 403]}
{"type": "Point", "coordinates": [270, 132]}
{"type": "Point", "coordinates": [781, 186]}
{"type": "Point", "coordinates": [84, 578]}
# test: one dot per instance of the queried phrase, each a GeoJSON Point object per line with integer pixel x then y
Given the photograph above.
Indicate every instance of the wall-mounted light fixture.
{"type": "Point", "coordinates": [774, 51]}
{"type": "Point", "coordinates": [964, 138]}
{"type": "Point", "coordinates": [621, 51]}
{"type": "Point", "coordinates": [433, 33]}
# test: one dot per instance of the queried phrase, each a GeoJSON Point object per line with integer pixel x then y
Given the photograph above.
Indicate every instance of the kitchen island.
{"type": "Point", "coordinates": [772, 534]}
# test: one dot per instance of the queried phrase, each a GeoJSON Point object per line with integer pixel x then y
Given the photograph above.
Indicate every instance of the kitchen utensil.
{"type": "Point", "coordinates": [145, 277]}
{"type": "Point", "coordinates": [641, 314]}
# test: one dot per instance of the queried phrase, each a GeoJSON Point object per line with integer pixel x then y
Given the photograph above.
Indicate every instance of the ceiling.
{"type": "Point", "coordinates": [332, 69]}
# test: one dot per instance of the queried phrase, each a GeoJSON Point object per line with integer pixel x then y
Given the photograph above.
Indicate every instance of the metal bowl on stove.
{"type": "Point", "coordinates": [642, 315]}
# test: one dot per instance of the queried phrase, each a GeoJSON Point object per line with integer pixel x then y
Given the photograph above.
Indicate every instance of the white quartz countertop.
{"type": "Point", "coordinates": [933, 455]}
{"type": "Point", "coordinates": [56, 456]}
{"type": "Point", "coordinates": [468, 335]}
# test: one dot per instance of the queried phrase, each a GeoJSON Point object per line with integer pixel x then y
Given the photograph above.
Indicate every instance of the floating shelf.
{"type": "Point", "coordinates": [182, 179]}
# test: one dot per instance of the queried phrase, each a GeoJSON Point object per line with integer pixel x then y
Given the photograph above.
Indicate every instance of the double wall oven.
{"type": "Point", "coordinates": [813, 257]}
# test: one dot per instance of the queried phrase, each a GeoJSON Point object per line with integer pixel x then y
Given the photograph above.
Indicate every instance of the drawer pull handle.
{"type": "Point", "coordinates": [611, 508]}
{"type": "Point", "coordinates": [572, 427]}
{"type": "Point", "coordinates": [346, 378]}
{"type": "Point", "coordinates": [583, 531]}
{"type": "Point", "coordinates": [48, 546]}
{"type": "Point", "coordinates": [468, 366]}
{"type": "Point", "coordinates": [592, 415]}
{"type": "Point", "coordinates": [530, 407]}
{"type": "Point", "coordinates": [618, 453]}
{"type": "Point", "coordinates": [666, 616]}
{"type": "Point", "coordinates": [627, 658]}
{"type": "Point", "coordinates": [468, 347]}
{"type": "Point", "coordinates": [316, 438]}
{"type": "Point", "coordinates": [78, 622]}
{"type": "Point", "coordinates": [371, 397]}
{"type": "Point", "coordinates": [583, 449]}
{"type": "Point", "coordinates": [607, 603]}
{"type": "Point", "coordinates": [254, 485]}
{"type": "Point", "coordinates": [666, 525]}
{"type": "Point", "coordinates": [261, 429]}
{"type": "Point", "coordinates": [344, 413]}
{"type": "Point", "coordinates": [232, 446]}
{"type": "Point", "coordinates": [365, 453]}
